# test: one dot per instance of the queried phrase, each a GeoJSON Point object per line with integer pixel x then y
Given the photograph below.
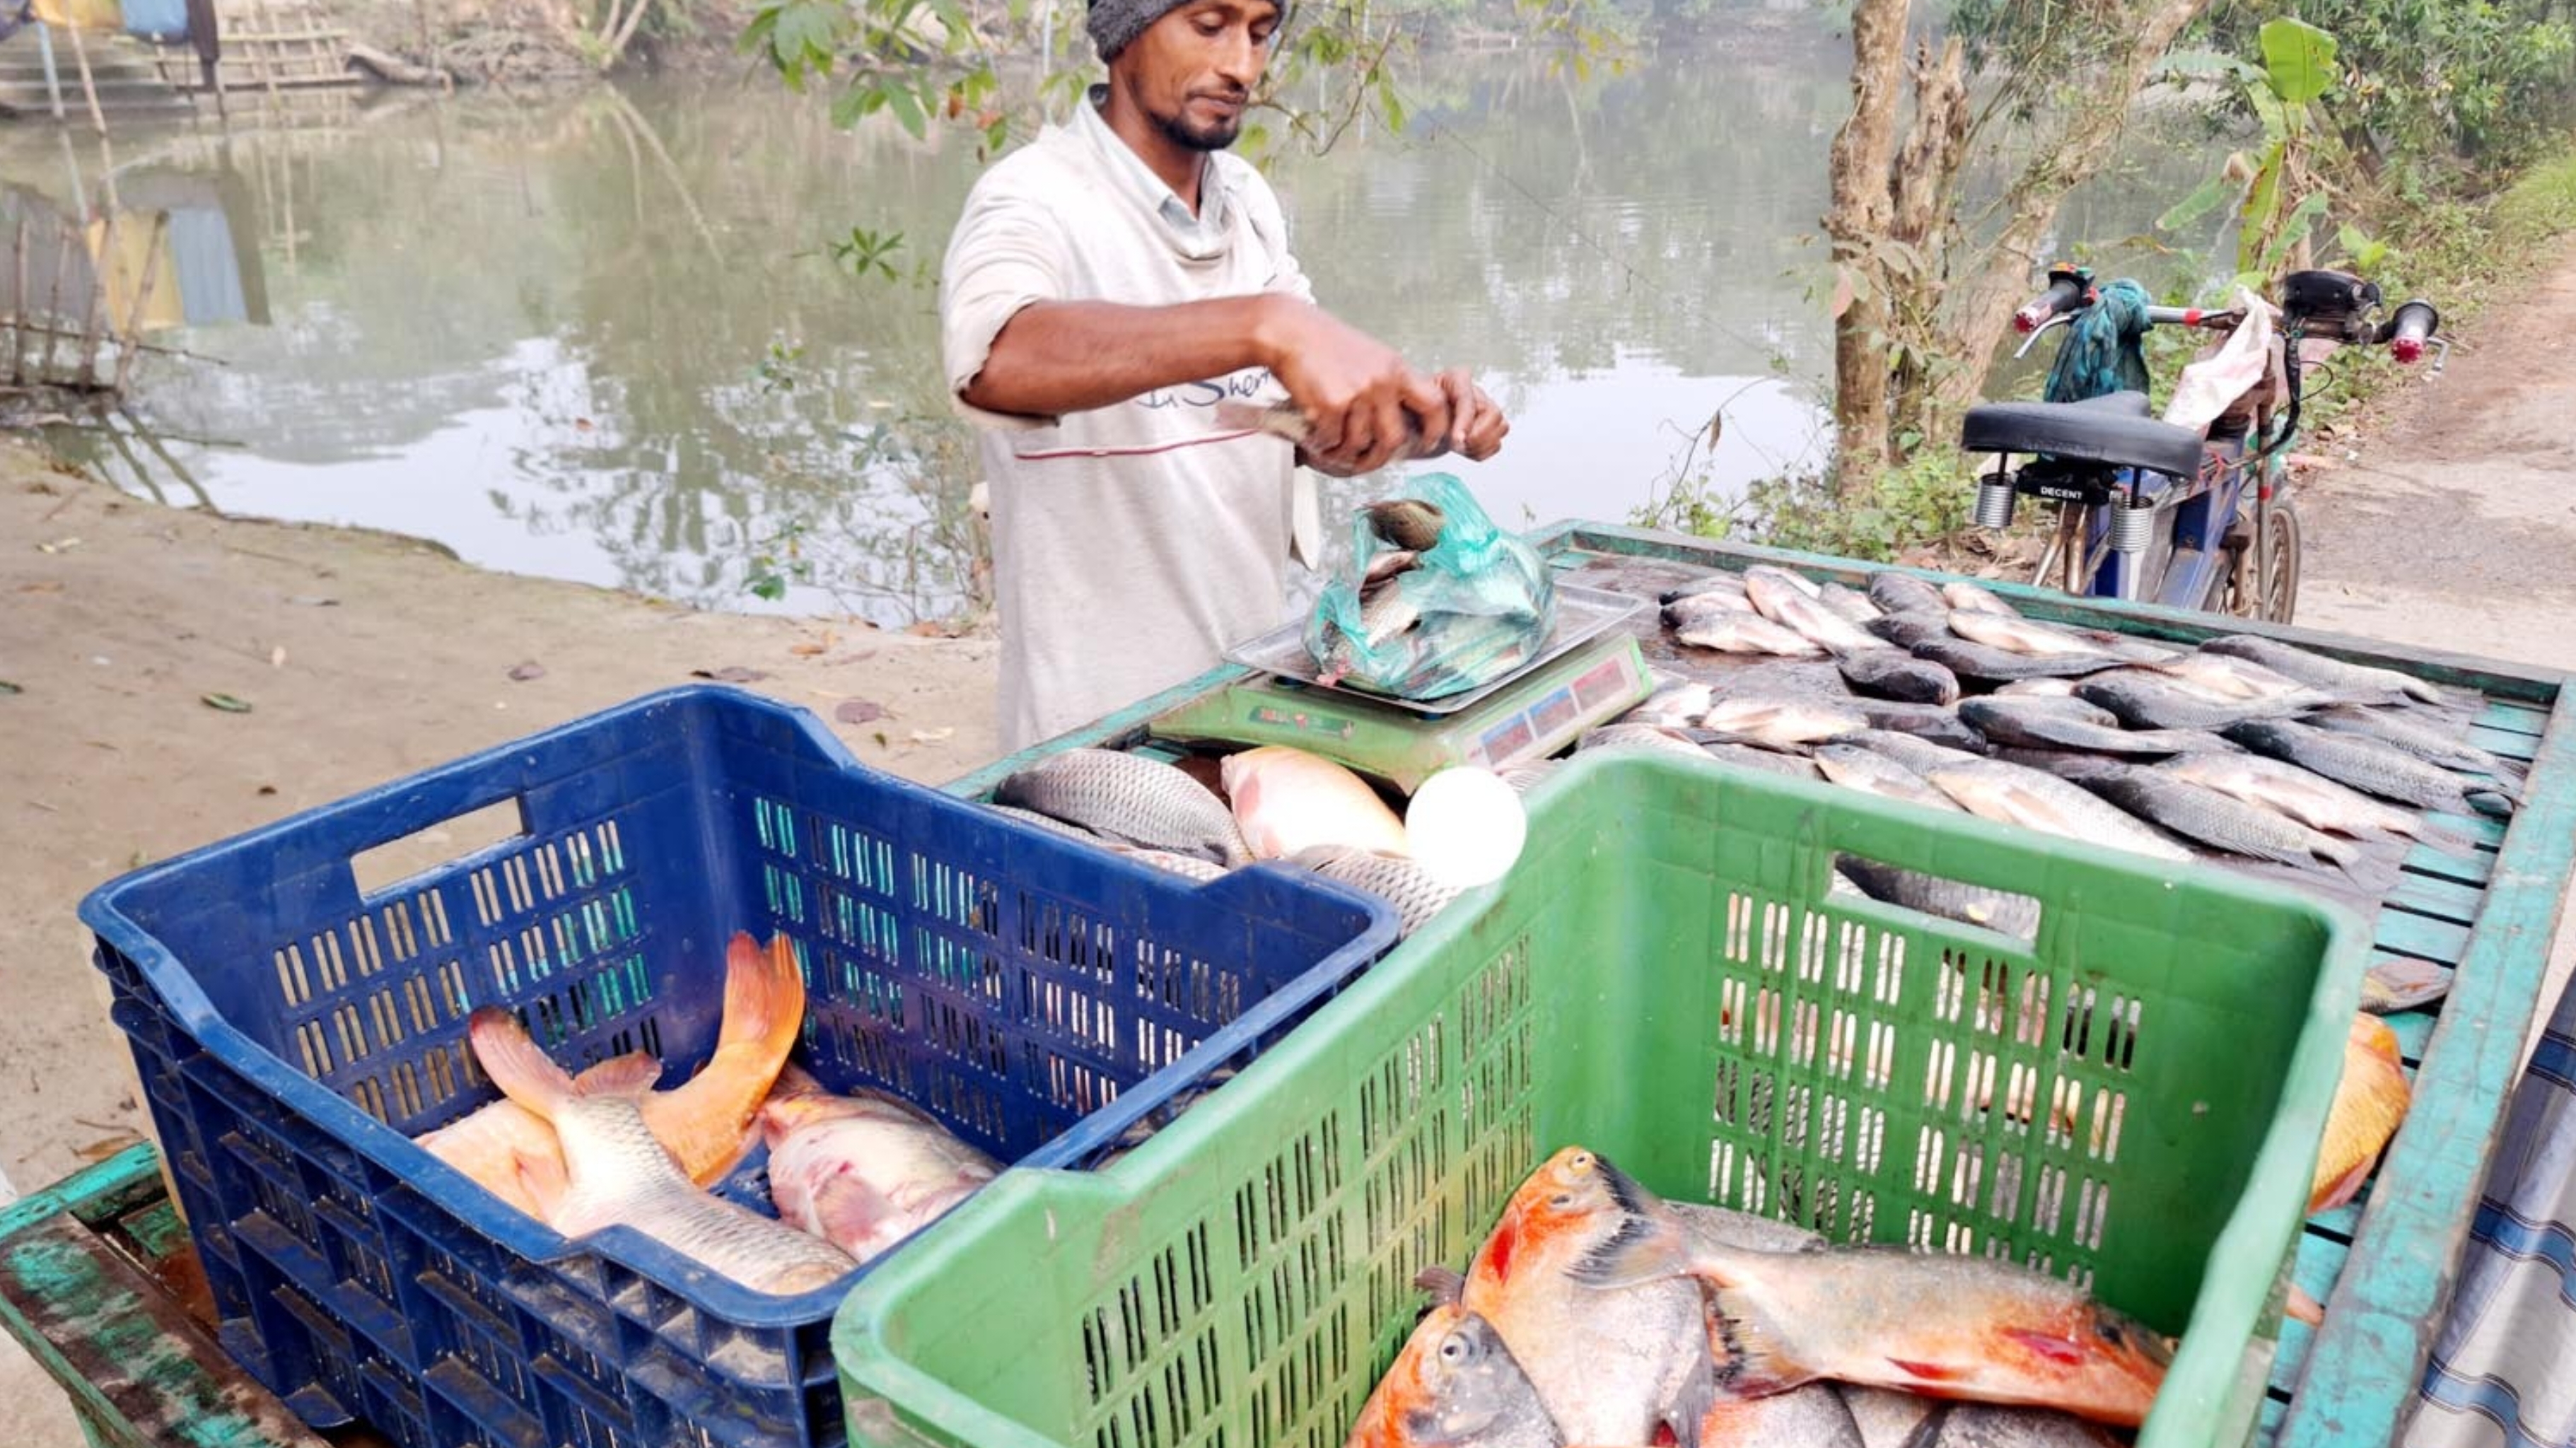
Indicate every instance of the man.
{"type": "Point", "coordinates": [1107, 286]}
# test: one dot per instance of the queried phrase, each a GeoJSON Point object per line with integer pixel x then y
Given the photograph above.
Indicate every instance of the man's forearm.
{"type": "Point", "coordinates": [1052, 358]}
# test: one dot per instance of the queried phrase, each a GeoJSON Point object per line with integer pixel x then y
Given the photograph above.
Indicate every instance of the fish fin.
{"type": "Point", "coordinates": [632, 1074]}
{"type": "Point", "coordinates": [1446, 1285]}
{"type": "Point", "coordinates": [764, 999]}
{"type": "Point", "coordinates": [849, 1213]}
{"type": "Point", "coordinates": [2493, 803]}
{"type": "Point", "coordinates": [2342, 1189]}
{"type": "Point", "coordinates": [511, 1057]}
{"type": "Point", "coordinates": [543, 1180]}
{"type": "Point", "coordinates": [1643, 1249]}
{"type": "Point", "coordinates": [2303, 1308]}
{"type": "Point", "coordinates": [1759, 1364]}
{"type": "Point", "coordinates": [1693, 1396]}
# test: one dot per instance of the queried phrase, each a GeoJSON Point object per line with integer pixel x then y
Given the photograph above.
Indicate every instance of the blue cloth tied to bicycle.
{"type": "Point", "coordinates": [2104, 351]}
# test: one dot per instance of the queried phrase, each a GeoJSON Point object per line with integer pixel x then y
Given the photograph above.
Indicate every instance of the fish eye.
{"type": "Point", "coordinates": [1582, 1161]}
{"type": "Point", "coordinates": [1561, 1200]}
{"type": "Point", "coordinates": [1453, 1348]}
{"type": "Point", "coordinates": [2109, 1332]}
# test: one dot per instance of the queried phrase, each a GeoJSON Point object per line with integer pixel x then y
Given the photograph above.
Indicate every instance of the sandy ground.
{"type": "Point", "coordinates": [2449, 529]}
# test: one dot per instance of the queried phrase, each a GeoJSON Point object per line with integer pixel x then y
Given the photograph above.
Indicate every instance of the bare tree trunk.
{"type": "Point", "coordinates": [1985, 300]}
{"type": "Point", "coordinates": [1863, 152]}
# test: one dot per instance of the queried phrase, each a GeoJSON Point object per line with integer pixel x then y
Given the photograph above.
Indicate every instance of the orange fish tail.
{"type": "Point", "coordinates": [512, 1059]}
{"type": "Point", "coordinates": [710, 1122]}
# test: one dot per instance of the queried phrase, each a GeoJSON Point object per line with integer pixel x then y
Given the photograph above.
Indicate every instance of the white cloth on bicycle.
{"type": "Point", "coordinates": [2211, 385]}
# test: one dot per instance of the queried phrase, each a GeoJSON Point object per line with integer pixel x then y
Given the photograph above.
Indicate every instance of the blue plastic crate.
{"type": "Point", "coordinates": [294, 1034]}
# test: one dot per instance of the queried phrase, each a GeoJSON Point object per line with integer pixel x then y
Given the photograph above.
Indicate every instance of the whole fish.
{"type": "Point", "coordinates": [2019, 635]}
{"type": "Point", "coordinates": [1780, 721]}
{"type": "Point", "coordinates": [1852, 606]}
{"type": "Point", "coordinates": [1674, 706]}
{"type": "Point", "coordinates": [2047, 725]}
{"type": "Point", "coordinates": [1775, 595]}
{"type": "Point", "coordinates": [1287, 799]}
{"type": "Point", "coordinates": [2323, 672]}
{"type": "Point", "coordinates": [1728, 583]}
{"type": "Point", "coordinates": [1895, 674]}
{"type": "Point", "coordinates": [2433, 746]}
{"type": "Point", "coordinates": [2223, 676]}
{"type": "Point", "coordinates": [1905, 630]}
{"type": "Point", "coordinates": [1411, 890]}
{"type": "Point", "coordinates": [2219, 821]}
{"type": "Point", "coordinates": [1761, 575]}
{"type": "Point", "coordinates": [1979, 661]}
{"type": "Point", "coordinates": [1956, 1326]}
{"type": "Point", "coordinates": [2370, 1103]}
{"type": "Point", "coordinates": [1999, 910]}
{"type": "Point", "coordinates": [1610, 1369]}
{"type": "Point", "coordinates": [2041, 688]}
{"type": "Point", "coordinates": [1745, 633]}
{"type": "Point", "coordinates": [2146, 701]}
{"type": "Point", "coordinates": [2310, 798]}
{"type": "Point", "coordinates": [1923, 721]}
{"type": "Point", "coordinates": [1915, 754]}
{"type": "Point", "coordinates": [1890, 1419]}
{"type": "Point", "coordinates": [1455, 1385]}
{"type": "Point", "coordinates": [619, 1175]}
{"type": "Point", "coordinates": [2368, 765]}
{"type": "Point", "coordinates": [1684, 612]}
{"type": "Point", "coordinates": [1897, 592]}
{"type": "Point", "coordinates": [2026, 797]}
{"type": "Point", "coordinates": [1871, 772]}
{"type": "Point", "coordinates": [865, 1170]}
{"type": "Point", "coordinates": [1128, 798]}
{"type": "Point", "coordinates": [1973, 598]}
{"type": "Point", "coordinates": [708, 1124]}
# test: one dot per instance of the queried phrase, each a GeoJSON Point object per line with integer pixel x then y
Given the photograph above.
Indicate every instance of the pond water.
{"type": "Point", "coordinates": [601, 337]}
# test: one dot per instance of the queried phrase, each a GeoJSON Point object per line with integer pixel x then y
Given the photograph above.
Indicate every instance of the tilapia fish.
{"type": "Point", "coordinates": [1713, 583]}
{"type": "Point", "coordinates": [1980, 661]}
{"type": "Point", "coordinates": [1412, 524]}
{"type": "Point", "coordinates": [2223, 676]}
{"type": "Point", "coordinates": [621, 1176]}
{"type": "Point", "coordinates": [2370, 766]}
{"type": "Point", "coordinates": [2147, 701]}
{"type": "Point", "coordinates": [1131, 799]}
{"type": "Point", "coordinates": [1852, 606]}
{"type": "Point", "coordinates": [1761, 575]}
{"type": "Point", "coordinates": [2047, 724]}
{"type": "Point", "coordinates": [2041, 688]}
{"type": "Point", "coordinates": [1955, 1326]}
{"type": "Point", "coordinates": [1287, 799]}
{"type": "Point", "coordinates": [2000, 910]}
{"type": "Point", "coordinates": [1649, 737]}
{"type": "Point", "coordinates": [1905, 630]}
{"type": "Point", "coordinates": [2218, 820]}
{"type": "Point", "coordinates": [2015, 634]}
{"type": "Point", "coordinates": [2026, 797]}
{"type": "Point", "coordinates": [2310, 798]}
{"type": "Point", "coordinates": [1455, 1385]}
{"type": "Point", "coordinates": [2323, 672]}
{"type": "Point", "coordinates": [1973, 598]}
{"type": "Point", "coordinates": [1700, 608]}
{"type": "Point", "coordinates": [1915, 754]}
{"type": "Point", "coordinates": [2370, 1103]}
{"type": "Point", "coordinates": [1746, 756]}
{"type": "Point", "coordinates": [707, 1124]}
{"type": "Point", "coordinates": [1867, 770]}
{"type": "Point", "coordinates": [2433, 746]}
{"type": "Point", "coordinates": [1610, 1369]}
{"type": "Point", "coordinates": [1905, 593]}
{"type": "Point", "coordinates": [1673, 706]}
{"type": "Point", "coordinates": [1412, 891]}
{"type": "Point", "coordinates": [862, 1171]}
{"type": "Point", "coordinates": [1894, 674]}
{"type": "Point", "coordinates": [1789, 601]}
{"type": "Point", "coordinates": [1930, 722]}
{"type": "Point", "coordinates": [1745, 633]}
{"type": "Point", "coordinates": [1778, 721]}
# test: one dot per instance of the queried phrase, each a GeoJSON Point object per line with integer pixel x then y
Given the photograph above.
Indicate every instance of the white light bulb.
{"type": "Point", "coordinates": [1465, 827]}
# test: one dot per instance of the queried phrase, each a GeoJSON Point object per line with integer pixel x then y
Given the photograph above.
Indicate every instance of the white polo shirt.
{"type": "Point", "coordinates": [1131, 543]}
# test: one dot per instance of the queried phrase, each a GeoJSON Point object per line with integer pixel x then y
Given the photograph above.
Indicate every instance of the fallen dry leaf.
{"type": "Point", "coordinates": [225, 702]}
{"type": "Point", "coordinates": [859, 711]}
{"type": "Point", "coordinates": [729, 674]}
{"type": "Point", "coordinates": [522, 673]}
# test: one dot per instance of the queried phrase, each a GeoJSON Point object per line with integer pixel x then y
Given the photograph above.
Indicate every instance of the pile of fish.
{"type": "Point", "coordinates": [849, 1175]}
{"type": "Point", "coordinates": [1596, 1314]}
{"type": "Point", "coordinates": [1279, 804]}
{"type": "Point", "coordinates": [2246, 747]}
{"type": "Point", "coordinates": [1439, 600]}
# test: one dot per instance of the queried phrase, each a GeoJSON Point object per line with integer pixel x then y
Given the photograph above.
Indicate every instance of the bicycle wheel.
{"type": "Point", "coordinates": [2280, 544]}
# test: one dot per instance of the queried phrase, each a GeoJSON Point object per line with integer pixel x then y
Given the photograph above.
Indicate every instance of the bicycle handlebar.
{"type": "Point", "coordinates": [2068, 289]}
{"type": "Point", "coordinates": [2406, 331]}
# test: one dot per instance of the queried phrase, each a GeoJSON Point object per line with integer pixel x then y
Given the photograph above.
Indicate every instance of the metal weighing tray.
{"type": "Point", "coordinates": [1582, 614]}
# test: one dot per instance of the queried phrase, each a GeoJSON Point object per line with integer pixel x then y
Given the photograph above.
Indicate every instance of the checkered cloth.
{"type": "Point", "coordinates": [2503, 1370]}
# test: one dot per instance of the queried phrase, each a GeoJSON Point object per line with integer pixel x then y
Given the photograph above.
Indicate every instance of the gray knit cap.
{"type": "Point", "coordinates": [1115, 23]}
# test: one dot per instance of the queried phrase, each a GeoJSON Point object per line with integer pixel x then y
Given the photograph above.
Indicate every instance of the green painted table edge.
{"type": "Point", "coordinates": [2361, 1368]}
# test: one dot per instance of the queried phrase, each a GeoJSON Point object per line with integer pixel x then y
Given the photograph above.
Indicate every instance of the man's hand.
{"type": "Point", "coordinates": [1476, 424]}
{"type": "Point", "coordinates": [1364, 407]}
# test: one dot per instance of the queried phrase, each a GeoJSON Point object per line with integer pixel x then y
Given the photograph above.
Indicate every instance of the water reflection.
{"type": "Point", "coordinates": [601, 337]}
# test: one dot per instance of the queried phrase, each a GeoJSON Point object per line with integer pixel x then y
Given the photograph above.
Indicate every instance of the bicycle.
{"type": "Point", "coordinates": [2153, 511]}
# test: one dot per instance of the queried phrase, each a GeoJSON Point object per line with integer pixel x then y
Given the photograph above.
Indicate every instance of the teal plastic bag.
{"type": "Point", "coordinates": [1438, 600]}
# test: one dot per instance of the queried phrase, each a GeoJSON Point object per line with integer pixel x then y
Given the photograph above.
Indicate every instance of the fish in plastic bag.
{"type": "Point", "coordinates": [1438, 600]}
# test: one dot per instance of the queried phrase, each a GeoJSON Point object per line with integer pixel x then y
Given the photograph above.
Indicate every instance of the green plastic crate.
{"type": "Point", "coordinates": [1241, 1280]}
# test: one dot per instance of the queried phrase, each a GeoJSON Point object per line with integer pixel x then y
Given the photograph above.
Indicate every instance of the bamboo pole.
{"type": "Point", "coordinates": [20, 304]}
{"type": "Point", "coordinates": [53, 78]}
{"type": "Point", "coordinates": [89, 87]}
{"type": "Point", "coordinates": [125, 348]}
{"type": "Point", "coordinates": [94, 322]}
{"type": "Point", "coordinates": [54, 303]}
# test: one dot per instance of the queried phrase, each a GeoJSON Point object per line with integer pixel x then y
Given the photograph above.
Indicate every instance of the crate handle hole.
{"type": "Point", "coordinates": [1940, 898]}
{"type": "Point", "coordinates": [452, 839]}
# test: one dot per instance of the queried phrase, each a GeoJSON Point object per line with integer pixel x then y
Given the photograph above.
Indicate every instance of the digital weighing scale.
{"type": "Point", "coordinates": [1590, 672]}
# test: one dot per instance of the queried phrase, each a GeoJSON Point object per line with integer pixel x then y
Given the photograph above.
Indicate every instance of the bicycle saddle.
{"type": "Point", "coordinates": [2113, 429]}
